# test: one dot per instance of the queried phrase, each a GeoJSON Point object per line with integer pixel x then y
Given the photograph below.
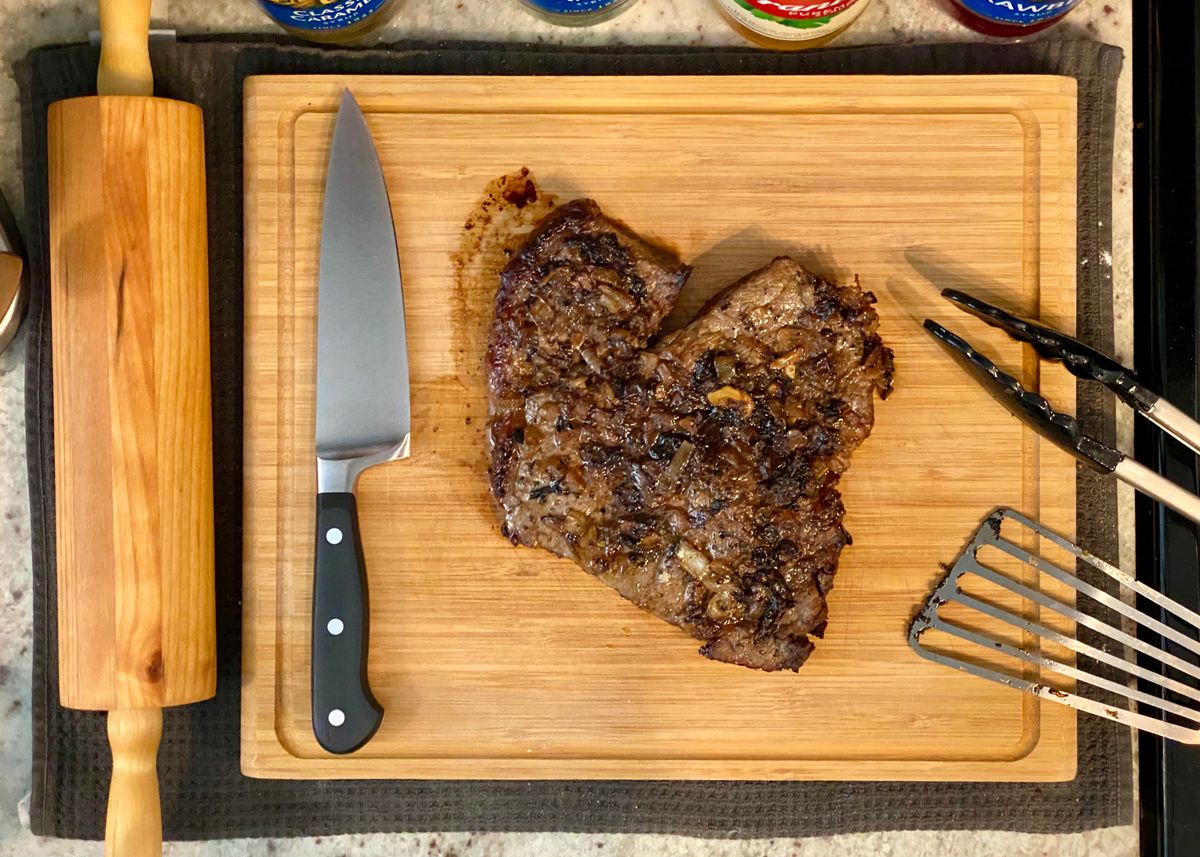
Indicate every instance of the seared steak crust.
{"type": "Point", "coordinates": [698, 478]}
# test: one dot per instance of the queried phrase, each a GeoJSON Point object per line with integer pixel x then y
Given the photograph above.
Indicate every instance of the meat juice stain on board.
{"type": "Point", "coordinates": [495, 227]}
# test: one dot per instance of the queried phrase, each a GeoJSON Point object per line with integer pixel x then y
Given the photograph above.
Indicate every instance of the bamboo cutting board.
{"type": "Point", "coordinates": [498, 662]}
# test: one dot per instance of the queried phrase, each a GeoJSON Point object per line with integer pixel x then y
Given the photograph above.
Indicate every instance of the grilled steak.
{"type": "Point", "coordinates": [697, 477]}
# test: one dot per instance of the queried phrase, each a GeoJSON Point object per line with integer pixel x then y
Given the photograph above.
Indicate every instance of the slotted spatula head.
{"type": "Point", "coordinates": [976, 632]}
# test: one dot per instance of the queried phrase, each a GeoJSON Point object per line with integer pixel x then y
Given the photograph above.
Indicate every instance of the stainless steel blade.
{"type": "Point", "coordinates": [363, 411]}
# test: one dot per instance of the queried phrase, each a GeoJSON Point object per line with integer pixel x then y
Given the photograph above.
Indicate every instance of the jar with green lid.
{"type": "Point", "coordinates": [336, 21]}
{"type": "Point", "coordinates": [791, 24]}
{"type": "Point", "coordinates": [577, 12]}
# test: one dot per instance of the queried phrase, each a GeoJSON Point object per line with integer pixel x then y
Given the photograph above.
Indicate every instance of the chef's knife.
{"type": "Point", "coordinates": [363, 419]}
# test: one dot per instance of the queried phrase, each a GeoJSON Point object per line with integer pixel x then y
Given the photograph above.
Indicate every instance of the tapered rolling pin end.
{"type": "Point", "coordinates": [134, 824]}
{"type": "Point", "coordinates": [125, 48]}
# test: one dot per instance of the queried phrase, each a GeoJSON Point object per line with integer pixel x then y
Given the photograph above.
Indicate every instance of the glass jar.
{"type": "Point", "coordinates": [1008, 17]}
{"type": "Point", "coordinates": [336, 21]}
{"type": "Point", "coordinates": [576, 13]}
{"type": "Point", "coordinates": [791, 24]}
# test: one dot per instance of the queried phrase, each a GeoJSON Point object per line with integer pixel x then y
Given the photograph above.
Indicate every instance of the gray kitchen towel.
{"type": "Point", "coordinates": [203, 793]}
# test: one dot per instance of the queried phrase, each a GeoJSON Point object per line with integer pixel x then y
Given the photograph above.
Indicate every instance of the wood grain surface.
{"type": "Point", "coordinates": [132, 428]}
{"type": "Point", "coordinates": [500, 662]}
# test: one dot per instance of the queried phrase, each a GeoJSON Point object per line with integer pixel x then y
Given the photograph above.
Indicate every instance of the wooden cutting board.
{"type": "Point", "coordinates": [498, 662]}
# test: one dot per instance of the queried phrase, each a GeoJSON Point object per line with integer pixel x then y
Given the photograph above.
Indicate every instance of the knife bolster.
{"type": "Point", "coordinates": [340, 475]}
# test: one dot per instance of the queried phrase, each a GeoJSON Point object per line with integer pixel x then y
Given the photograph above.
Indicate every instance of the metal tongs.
{"type": "Point", "coordinates": [1061, 429]}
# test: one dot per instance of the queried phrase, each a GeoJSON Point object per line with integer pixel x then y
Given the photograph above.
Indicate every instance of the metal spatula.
{"type": "Point", "coordinates": [1026, 666]}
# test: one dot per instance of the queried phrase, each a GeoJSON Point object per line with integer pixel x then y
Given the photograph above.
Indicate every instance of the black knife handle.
{"type": "Point", "coordinates": [345, 713]}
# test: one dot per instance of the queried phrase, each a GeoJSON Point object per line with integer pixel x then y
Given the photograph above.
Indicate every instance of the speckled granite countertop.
{"type": "Point", "coordinates": [25, 24]}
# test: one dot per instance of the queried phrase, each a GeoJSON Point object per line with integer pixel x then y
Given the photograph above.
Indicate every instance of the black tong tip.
{"type": "Point", "coordinates": [1080, 360]}
{"type": "Point", "coordinates": [1032, 409]}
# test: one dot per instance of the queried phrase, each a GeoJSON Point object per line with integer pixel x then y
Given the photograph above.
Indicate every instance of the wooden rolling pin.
{"type": "Point", "coordinates": [132, 414]}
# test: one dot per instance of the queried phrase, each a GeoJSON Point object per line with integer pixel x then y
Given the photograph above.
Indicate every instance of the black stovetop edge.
{"type": "Point", "coordinates": [1166, 65]}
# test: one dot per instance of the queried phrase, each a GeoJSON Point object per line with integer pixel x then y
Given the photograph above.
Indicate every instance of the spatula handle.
{"type": "Point", "coordinates": [134, 825]}
{"type": "Point", "coordinates": [124, 48]}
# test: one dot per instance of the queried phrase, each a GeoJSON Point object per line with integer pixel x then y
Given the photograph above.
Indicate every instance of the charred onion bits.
{"type": "Point", "coordinates": [698, 476]}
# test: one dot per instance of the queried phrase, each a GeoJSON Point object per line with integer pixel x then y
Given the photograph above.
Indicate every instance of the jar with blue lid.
{"type": "Point", "coordinates": [1010, 18]}
{"type": "Point", "coordinates": [577, 12]}
{"type": "Point", "coordinates": [337, 21]}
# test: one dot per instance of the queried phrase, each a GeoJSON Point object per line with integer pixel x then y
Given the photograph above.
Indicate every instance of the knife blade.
{"type": "Point", "coordinates": [363, 419]}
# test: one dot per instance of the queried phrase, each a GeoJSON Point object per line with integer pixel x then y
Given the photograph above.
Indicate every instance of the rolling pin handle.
{"type": "Point", "coordinates": [125, 48]}
{"type": "Point", "coordinates": [134, 824]}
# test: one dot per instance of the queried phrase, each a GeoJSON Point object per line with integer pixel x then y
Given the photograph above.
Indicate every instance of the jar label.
{"type": "Point", "coordinates": [794, 20]}
{"type": "Point", "coordinates": [797, 10]}
{"type": "Point", "coordinates": [572, 7]}
{"type": "Point", "coordinates": [1019, 11]}
{"type": "Point", "coordinates": [318, 15]}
